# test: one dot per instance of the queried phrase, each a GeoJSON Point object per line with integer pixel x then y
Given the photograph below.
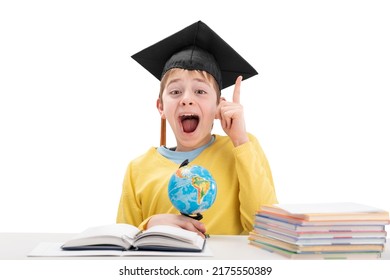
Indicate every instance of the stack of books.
{"type": "Point", "coordinates": [321, 231]}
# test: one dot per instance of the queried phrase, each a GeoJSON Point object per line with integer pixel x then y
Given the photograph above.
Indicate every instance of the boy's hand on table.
{"type": "Point", "coordinates": [178, 221]}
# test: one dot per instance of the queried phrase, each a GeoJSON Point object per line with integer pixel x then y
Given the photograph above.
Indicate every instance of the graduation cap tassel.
{"type": "Point", "coordinates": [163, 133]}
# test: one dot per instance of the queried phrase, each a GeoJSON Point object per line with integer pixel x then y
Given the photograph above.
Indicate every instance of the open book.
{"type": "Point", "coordinates": [129, 237]}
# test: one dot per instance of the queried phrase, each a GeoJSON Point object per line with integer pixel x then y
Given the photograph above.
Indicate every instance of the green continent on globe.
{"type": "Point", "coordinates": [192, 189]}
{"type": "Point", "coordinates": [202, 186]}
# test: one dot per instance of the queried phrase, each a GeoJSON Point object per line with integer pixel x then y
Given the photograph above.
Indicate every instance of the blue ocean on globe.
{"type": "Point", "coordinates": [192, 189]}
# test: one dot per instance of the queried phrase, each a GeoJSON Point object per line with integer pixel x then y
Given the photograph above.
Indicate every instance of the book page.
{"type": "Point", "coordinates": [118, 230]}
{"type": "Point", "coordinates": [175, 232]}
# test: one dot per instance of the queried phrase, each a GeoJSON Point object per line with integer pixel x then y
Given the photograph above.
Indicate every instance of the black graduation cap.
{"type": "Point", "coordinates": [196, 47]}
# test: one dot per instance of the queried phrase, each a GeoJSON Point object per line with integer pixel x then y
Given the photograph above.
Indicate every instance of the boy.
{"type": "Point", "coordinates": [194, 65]}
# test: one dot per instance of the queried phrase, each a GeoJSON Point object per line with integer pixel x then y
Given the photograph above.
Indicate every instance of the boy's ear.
{"type": "Point", "coordinates": [160, 108]}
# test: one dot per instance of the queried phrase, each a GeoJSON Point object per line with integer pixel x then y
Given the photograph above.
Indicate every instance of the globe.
{"type": "Point", "coordinates": [192, 190]}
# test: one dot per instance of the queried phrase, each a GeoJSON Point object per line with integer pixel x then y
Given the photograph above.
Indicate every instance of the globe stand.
{"type": "Point", "coordinates": [196, 216]}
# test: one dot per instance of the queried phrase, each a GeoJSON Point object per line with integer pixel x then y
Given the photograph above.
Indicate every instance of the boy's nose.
{"type": "Point", "coordinates": [184, 103]}
{"type": "Point", "coordinates": [187, 99]}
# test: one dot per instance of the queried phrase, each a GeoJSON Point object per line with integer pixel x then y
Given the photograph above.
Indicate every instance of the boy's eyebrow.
{"type": "Point", "coordinates": [194, 79]}
{"type": "Point", "coordinates": [200, 80]}
{"type": "Point", "coordinates": [173, 81]}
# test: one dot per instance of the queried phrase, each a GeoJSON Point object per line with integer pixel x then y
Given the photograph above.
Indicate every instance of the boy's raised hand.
{"type": "Point", "coordinates": [231, 115]}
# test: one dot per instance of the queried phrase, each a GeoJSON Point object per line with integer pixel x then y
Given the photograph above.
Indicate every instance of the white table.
{"type": "Point", "coordinates": [16, 246]}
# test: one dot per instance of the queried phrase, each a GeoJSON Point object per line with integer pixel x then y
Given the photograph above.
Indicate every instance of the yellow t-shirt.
{"type": "Point", "coordinates": [242, 174]}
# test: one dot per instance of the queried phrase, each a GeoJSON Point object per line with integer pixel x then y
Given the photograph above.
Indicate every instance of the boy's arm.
{"type": "Point", "coordinates": [256, 187]}
{"type": "Point", "coordinates": [129, 210]}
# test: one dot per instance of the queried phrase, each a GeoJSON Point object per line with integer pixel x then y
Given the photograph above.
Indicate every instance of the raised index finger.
{"type": "Point", "coordinates": [236, 92]}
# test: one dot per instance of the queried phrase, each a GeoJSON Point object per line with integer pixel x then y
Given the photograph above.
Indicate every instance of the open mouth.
{"type": "Point", "coordinates": [189, 122]}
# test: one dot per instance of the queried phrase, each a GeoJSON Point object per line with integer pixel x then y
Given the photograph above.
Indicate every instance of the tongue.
{"type": "Point", "coordinates": [189, 125]}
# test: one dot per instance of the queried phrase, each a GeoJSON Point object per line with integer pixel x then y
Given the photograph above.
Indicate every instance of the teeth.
{"type": "Point", "coordinates": [188, 116]}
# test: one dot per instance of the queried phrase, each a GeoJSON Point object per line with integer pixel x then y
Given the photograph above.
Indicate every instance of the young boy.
{"type": "Point", "coordinates": [194, 65]}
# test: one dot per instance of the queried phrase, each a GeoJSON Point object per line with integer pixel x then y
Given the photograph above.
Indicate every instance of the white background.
{"type": "Point", "coordinates": [75, 108]}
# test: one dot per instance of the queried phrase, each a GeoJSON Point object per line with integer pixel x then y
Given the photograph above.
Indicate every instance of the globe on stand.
{"type": "Point", "coordinates": [192, 190]}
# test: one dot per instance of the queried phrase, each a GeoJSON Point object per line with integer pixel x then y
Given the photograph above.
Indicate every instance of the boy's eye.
{"type": "Point", "coordinates": [200, 91]}
{"type": "Point", "coordinates": [174, 92]}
